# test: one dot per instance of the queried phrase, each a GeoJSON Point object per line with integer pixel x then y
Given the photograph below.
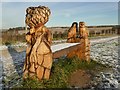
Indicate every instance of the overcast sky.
{"type": "Point", "coordinates": [63, 13]}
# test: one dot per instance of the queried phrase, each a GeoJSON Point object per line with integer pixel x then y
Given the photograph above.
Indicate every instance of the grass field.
{"type": "Point", "coordinates": [61, 72]}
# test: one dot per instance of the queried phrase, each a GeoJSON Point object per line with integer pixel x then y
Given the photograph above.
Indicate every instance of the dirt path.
{"type": "Point", "coordinates": [80, 79]}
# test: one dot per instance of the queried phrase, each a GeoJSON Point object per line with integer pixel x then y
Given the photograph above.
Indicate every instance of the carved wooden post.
{"type": "Point", "coordinates": [85, 43]}
{"type": "Point", "coordinates": [38, 60]}
{"type": "Point", "coordinates": [83, 52]}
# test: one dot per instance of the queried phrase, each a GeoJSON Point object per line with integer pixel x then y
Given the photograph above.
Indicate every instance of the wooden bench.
{"type": "Point", "coordinates": [63, 49]}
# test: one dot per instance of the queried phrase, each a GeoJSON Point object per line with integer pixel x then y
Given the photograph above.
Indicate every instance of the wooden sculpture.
{"type": "Point", "coordinates": [38, 60]}
{"type": "Point", "coordinates": [85, 43]}
{"type": "Point", "coordinates": [72, 33]}
{"type": "Point", "coordinates": [83, 52]}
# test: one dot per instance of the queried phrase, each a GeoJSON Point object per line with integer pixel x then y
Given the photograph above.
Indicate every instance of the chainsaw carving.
{"type": "Point", "coordinates": [72, 33]}
{"type": "Point", "coordinates": [83, 52]}
{"type": "Point", "coordinates": [38, 60]}
{"type": "Point", "coordinates": [85, 43]}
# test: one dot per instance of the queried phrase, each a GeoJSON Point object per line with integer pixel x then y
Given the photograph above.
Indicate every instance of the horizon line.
{"type": "Point", "coordinates": [64, 26]}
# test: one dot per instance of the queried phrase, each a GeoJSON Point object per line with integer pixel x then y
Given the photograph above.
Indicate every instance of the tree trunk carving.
{"type": "Point", "coordinates": [38, 60]}
{"type": "Point", "coordinates": [83, 52]}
